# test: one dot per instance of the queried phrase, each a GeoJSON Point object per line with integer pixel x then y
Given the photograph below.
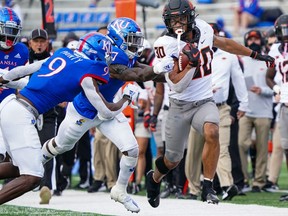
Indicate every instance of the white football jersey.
{"type": "Point", "coordinates": [281, 67]}
{"type": "Point", "coordinates": [200, 86]}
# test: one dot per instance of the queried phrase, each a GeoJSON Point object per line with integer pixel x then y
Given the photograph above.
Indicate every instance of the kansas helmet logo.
{"type": "Point", "coordinates": [120, 24]}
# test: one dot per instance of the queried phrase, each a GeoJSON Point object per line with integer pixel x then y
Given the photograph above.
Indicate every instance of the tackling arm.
{"type": "Point", "coordinates": [21, 71]}
{"type": "Point", "coordinates": [105, 109]}
{"type": "Point", "coordinates": [139, 73]}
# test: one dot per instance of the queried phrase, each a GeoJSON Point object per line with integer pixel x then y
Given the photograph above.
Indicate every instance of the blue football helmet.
{"type": "Point", "coordinates": [10, 28]}
{"type": "Point", "coordinates": [126, 34]}
{"type": "Point", "coordinates": [96, 46]}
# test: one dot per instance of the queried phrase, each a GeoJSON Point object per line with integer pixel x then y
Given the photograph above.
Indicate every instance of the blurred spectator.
{"type": "Point", "coordinates": [221, 25]}
{"type": "Point", "coordinates": [24, 40]}
{"type": "Point", "coordinates": [259, 115]}
{"type": "Point", "coordinates": [94, 3]}
{"type": "Point", "coordinates": [247, 13]}
{"type": "Point", "coordinates": [71, 36]}
{"type": "Point", "coordinates": [270, 39]}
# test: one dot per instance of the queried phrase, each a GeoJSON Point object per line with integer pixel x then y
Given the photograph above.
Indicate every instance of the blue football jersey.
{"type": "Point", "coordinates": [18, 55]}
{"type": "Point", "coordinates": [59, 79]}
{"type": "Point", "coordinates": [81, 102]}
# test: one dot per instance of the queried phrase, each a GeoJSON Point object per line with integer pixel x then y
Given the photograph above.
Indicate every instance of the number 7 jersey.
{"type": "Point", "coordinates": [200, 86]}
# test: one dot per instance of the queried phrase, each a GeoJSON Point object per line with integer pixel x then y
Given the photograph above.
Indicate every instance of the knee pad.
{"type": "Point", "coordinates": [133, 152]}
{"type": "Point", "coordinates": [127, 161]}
{"type": "Point", "coordinates": [161, 166]}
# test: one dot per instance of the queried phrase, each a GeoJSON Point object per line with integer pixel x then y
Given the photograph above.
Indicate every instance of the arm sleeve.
{"type": "Point", "coordinates": [22, 71]}
{"type": "Point", "coordinates": [183, 83]}
{"type": "Point", "coordinates": [19, 84]}
{"type": "Point", "coordinates": [96, 100]}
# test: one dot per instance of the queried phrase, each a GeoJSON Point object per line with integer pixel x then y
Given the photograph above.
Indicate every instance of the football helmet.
{"type": "Point", "coordinates": [10, 28]}
{"type": "Point", "coordinates": [281, 28]}
{"type": "Point", "coordinates": [126, 35]}
{"type": "Point", "coordinates": [183, 10]}
{"type": "Point", "coordinates": [95, 46]}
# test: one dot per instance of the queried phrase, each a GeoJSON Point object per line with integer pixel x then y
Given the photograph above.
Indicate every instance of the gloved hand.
{"type": "Point", "coordinates": [147, 118]}
{"type": "Point", "coordinates": [153, 123]}
{"type": "Point", "coordinates": [193, 55]}
{"type": "Point", "coordinates": [270, 61]}
{"type": "Point", "coordinates": [164, 66]}
{"type": "Point", "coordinates": [131, 92]}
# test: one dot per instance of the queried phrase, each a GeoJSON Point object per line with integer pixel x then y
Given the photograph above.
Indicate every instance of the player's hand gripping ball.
{"type": "Point", "coordinates": [189, 55]}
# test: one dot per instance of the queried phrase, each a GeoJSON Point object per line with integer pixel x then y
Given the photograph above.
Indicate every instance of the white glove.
{"type": "Point", "coordinates": [131, 92]}
{"type": "Point", "coordinates": [164, 66]}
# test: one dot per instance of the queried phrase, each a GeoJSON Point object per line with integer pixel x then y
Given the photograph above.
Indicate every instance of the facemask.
{"type": "Point", "coordinates": [255, 47]}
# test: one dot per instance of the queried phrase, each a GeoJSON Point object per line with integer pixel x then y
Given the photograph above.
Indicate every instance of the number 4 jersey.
{"type": "Point", "coordinates": [200, 86]}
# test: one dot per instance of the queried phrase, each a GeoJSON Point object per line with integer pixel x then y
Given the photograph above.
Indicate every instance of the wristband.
{"type": "Point", "coordinates": [253, 54]}
{"type": "Point", "coordinates": [276, 89]}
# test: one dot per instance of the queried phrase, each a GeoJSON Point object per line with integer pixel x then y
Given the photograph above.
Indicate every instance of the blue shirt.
{"type": "Point", "coordinates": [81, 102]}
{"type": "Point", "coordinates": [18, 55]}
{"type": "Point", "coordinates": [59, 79]}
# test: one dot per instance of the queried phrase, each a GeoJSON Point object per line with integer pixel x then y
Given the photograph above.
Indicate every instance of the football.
{"type": "Point", "coordinates": [183, 59]}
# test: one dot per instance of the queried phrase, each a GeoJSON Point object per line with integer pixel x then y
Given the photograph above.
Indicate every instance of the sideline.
{"type": "Point", "coordinates": [100, 203]}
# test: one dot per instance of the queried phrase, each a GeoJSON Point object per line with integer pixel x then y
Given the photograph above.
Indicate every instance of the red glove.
{"type": "Point", "coordinates": [153, 123]}
{"type": "Point", "coordinates": [147, 118]}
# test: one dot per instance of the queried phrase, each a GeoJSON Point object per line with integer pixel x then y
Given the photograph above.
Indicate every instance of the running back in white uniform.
{"type": "Point", "coordinates": [200, 86]}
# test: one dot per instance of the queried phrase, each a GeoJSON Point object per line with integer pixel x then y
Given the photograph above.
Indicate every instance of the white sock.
{"type": "Point", "coordinates": [127, 167]}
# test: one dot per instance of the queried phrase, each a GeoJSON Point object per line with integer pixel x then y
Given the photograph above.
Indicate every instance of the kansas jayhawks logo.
{"type": "Point", "coordinates": [80, 122]}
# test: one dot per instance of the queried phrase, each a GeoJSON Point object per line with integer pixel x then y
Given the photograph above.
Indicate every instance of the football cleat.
{"type": "Point", "coordinates": [120, 195]}
{"type": "Point", "coordinates": [230, 192]}
{"type": "Point", "coordinates": [153, 190]}
{"type": "Point", "coordinates": [209, 195]}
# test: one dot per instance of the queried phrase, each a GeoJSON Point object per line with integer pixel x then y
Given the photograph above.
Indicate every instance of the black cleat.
{"type": "Point", "coordinates": [284, 197]}
{"type": "Point", "coordinates": [153, 190]}
{"type": "Point", "coordinates": [208, 194]}
{"type": "Point", "coordinates": [96, 185]}
{"type": "Point", "coordinates": [230, 193]}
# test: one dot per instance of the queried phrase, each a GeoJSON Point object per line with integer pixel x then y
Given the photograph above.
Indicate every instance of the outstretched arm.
{"type": "Point", "coordinates": [21, 71]}
{"type": "Point", "coordinates": [142, 72]}
{"type": "Point", "coordinates": [233, 47]}
{"type": "Point", "coordinates": [105, 109]}
{"type": "Point", "coordinates": [139, 73]}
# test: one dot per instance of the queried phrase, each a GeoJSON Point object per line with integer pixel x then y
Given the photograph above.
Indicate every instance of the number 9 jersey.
{"type": "Point", "coordinates": [59, 79]}
{"type": "Point", "coordinates": [200, 86]}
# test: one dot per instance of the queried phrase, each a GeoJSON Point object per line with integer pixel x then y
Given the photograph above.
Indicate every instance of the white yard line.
{"type": "Point", "coordinates": [101, 203]}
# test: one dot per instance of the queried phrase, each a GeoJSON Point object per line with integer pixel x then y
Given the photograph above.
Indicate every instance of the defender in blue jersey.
{"type": "Point", "coordinates": [12, 53]}
{"type": "Point", "coordinates": [81, 115]}
{"type": "Point", "coordinates": [56, 79]}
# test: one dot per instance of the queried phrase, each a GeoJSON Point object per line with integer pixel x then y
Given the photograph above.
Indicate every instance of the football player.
{"type": "Point", "coordinates": [191, 96]}
{"type": "Point", "coordinates": [56, 79]}
{"type": "Point", "coordinates": [127, 39]}
{"type": "Point", "coordinates": [12, 53]}
{"type": "Point", "coordinates": [277, 80]}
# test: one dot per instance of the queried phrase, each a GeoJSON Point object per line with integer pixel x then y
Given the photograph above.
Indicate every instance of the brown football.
{"type": "Point", "coordinates": [183, 59]}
